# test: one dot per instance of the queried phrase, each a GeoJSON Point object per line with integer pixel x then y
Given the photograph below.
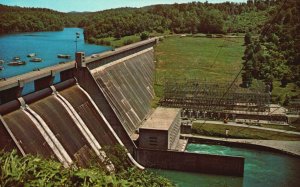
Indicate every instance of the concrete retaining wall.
{"type": "Point", "coordinates": [191, 162]}
{"type": "Point", "coordinates": [245, 144]}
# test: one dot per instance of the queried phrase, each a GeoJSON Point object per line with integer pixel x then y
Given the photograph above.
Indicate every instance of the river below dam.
{"type": "Point", "coordinates": [262, 169]}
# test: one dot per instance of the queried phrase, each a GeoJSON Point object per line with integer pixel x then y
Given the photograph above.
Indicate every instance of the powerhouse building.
{"type": "Point", "coordinates": [161, 130]}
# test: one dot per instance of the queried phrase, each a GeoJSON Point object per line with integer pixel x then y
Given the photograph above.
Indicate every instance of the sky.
{"type": "Point", "coordinates": [95, 5]}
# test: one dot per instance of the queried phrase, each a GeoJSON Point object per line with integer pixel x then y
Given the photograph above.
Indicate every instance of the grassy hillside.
{"type": "Point", "coordinates": [210, 59]}
{"type": "Point", "coordinates": [207, 59]}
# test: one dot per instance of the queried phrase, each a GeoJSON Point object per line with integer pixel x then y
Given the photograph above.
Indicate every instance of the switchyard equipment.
{"type": "Point", "coordinates": [294, 106]}
{"type": "Point", "coordinates": [205, 97]}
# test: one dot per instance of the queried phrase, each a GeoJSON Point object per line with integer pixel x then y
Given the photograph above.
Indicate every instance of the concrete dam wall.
{"type": "Point", "coordinates": [23, 128]}
{"type": "Point", "coordinates": [100, 102]}
{"type": "Point", "coordinates": [127, 84]}
{"type": "Point", "coordinates": [66, 125]}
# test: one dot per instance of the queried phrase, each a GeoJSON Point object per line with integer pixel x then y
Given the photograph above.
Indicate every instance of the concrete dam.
{"type": "Point", "coordinates": [127, 85]}
{"type": "Point", "coordinates": [60, 126]}
{"type": "Point", "coordinates": [100, 101]}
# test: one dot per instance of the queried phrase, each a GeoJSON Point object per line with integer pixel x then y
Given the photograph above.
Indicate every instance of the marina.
{"type": "Point", "coordinates": [15, 57]}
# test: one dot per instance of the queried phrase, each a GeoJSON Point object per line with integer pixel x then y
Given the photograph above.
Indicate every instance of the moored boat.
{"type": "Point", "coordinates": [1, 68]}
{"type": "Point", "coordinates": [94, 55]}
{"type": "Point", "coordinates": [16, 58]}
{"type": "Point", "coordinates": [16, 63]}
{"type": "Point", "coordinates": [1, 61]}
{"type": "Point", "coordinates": [31, 55]}
{"type": "Point", "coordinates": [36, 60]}
{"type": "Point", "coordinates": [63, 56]}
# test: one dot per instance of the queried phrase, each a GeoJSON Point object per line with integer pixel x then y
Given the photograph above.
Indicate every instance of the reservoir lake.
{"type": "Point", "coordinates": [46, 45]}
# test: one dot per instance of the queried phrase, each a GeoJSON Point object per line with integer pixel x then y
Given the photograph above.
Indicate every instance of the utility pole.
{"type": "Point", "coordinates": [76, 39]}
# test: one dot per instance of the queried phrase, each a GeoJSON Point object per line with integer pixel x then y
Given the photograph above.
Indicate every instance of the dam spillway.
{"type": "Point", "coordinates": [100, 101]}
{"type": "Point", "coordinates": [89, 114]}
{"type": "Point", "coordinates": [63, 127]}
{"type": "Point", "coordinates": [24, 129]}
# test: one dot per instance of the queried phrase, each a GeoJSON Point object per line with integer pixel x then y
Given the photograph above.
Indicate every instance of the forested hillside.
{"type": "Point", "coordinates": [275, 54]}
{"type": "Point", "coordinates": [16, 19]}
{"type": "Point", "coordinates": [192, 17]}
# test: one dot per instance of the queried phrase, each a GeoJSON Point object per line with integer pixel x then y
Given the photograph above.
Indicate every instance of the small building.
{"type": "Point", "coordinates": [161, 130]}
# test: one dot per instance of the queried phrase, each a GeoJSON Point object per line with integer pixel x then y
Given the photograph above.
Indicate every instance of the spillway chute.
{"type": "Point", "coordinates": [26, 134]}
{"type": "Point", "coordinates": [63, 127]}
{"type": "Point", "coordinates": [48, 135]}
{"type": "Point", "coordinates": [50, 138]}
{"type": "Point", "coordinates": [84, 130]}
{"type": "Point", "coordinates": [11, 134]}
{"type": "Point", "coordinates": [133, 161]}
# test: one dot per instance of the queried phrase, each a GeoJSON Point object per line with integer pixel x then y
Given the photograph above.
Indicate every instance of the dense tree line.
{"type": "Point", "coordinates": [16, 19]}
{"type": "Point", "coordinates": [120, 22]}
{"type": "Point", "coordinates": [275, 55]}
{"type": "Point", "coordinates": [192, 17]}
{"type": "Point", "coordinates": [195, 17]}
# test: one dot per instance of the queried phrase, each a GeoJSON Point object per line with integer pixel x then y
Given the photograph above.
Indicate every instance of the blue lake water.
{"type": "Point", "coordinates": [46, 45]}
{"type": "Point", "coordinates": [262, 169]}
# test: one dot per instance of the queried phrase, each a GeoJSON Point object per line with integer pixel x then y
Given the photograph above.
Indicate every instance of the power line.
{"type": "Point", "coordinates": [263, 32]}
{"type": "Point", "coordinates": [215, 59]}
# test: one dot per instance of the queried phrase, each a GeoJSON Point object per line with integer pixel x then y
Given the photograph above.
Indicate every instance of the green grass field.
{"type": "Point", "coordinates": [279, 93]}
{"type": "Point", "coordinates": [218, 130]}
{"type": "Point", "coordinates": [207, 59]}
{"type": "Point", "coordinates": [201, 58]}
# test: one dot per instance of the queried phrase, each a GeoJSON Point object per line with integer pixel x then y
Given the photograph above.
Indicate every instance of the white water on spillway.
{"type": "Point", "coordinates": [128, 86]}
